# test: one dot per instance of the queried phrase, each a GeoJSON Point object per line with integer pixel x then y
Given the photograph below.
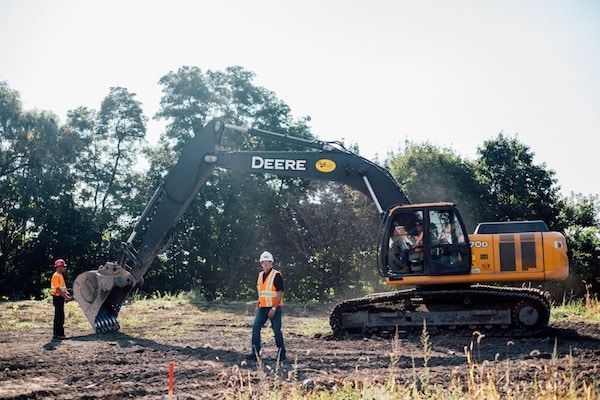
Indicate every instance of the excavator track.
{"type": "Point", "coordinates": [495, 310]}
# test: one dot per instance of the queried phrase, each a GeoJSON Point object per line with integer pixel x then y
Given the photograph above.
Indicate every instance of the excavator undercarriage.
{"type": "Point", "coordinates": [505, 311]}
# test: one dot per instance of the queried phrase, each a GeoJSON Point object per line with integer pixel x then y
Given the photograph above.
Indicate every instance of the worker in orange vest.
{"type": "Point", "coordinates": [270, 299]}
{"type": "Point", "coordinates": [60, 295]}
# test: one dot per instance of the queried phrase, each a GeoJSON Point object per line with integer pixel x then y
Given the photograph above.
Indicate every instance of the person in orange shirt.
{"type": "Point", "coordinates": [60, 295]}
{"type": "Point", "coordinates": [419, 239]}
{"type": "Point", "coordinates": [270, 300]}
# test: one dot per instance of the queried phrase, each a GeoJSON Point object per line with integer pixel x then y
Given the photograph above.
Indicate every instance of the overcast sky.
{"type": "Point", "coordinates": [374, 73]}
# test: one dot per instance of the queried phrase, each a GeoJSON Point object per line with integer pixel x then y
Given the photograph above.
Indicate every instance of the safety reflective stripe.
{"type": "Point", "coordinates": [269, 284]}
{"type": "Point", "coordinates": [267, 293]}
{"type": "Point", "coordinates": [60, 284]}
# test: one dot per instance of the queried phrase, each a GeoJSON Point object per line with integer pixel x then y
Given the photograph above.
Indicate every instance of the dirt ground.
{"type": "Point", "coordinates": [207, 346]}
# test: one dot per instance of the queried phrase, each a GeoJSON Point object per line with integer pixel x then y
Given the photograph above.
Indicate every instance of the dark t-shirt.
{"type": "Point", "coordinates": [278, 282]}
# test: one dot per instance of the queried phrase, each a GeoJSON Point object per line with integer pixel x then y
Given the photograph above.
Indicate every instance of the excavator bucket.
{"type": "Point", "coordinates": [100, 294]}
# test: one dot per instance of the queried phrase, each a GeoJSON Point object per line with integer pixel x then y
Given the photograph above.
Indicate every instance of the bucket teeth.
{"type": "Point", "coordinates": [107, 324]}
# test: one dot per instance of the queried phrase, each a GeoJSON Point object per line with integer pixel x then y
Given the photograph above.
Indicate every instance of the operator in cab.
{"type": "Point", "coordinates": [405, 244]}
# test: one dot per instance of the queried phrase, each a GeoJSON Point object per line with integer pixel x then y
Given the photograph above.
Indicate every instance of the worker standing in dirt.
{"type": "Point", "coordinates": [270, 299]}
{"type": "Point", "coordinates": [60, 295]}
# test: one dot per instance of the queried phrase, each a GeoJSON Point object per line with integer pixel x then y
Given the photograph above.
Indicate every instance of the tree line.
{"type": "Point", "coordinates": [73, 190]}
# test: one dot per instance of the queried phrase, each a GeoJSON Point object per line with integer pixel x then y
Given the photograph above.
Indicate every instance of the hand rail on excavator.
{"type": "Point", "coordinates": [314, 143]}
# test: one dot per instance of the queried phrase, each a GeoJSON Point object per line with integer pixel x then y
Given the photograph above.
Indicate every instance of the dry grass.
{"type": "Point", "coordinates": [477, 380]}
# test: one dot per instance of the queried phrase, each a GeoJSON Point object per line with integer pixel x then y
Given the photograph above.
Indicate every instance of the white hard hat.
{"type": "Point", "coordinates": [266, 256]}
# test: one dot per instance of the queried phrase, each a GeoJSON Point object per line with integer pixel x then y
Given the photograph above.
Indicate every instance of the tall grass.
{"type": "Point", "coordinates": [587, 307]}
{"type": "Point", "coordinates": [478, 379]}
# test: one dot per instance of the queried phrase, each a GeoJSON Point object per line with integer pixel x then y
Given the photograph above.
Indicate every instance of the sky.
{"type": "Point", "coordinates": [370, 72]}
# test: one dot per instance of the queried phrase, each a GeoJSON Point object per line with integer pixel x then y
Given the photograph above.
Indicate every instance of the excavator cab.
{"type": "Point", "coordinates": [423, 240]}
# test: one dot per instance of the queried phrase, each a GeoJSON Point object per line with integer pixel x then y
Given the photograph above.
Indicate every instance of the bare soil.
{"type": "Point", "coordinates": [207, 345]}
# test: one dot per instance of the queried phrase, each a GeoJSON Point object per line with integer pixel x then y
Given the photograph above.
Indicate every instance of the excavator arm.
{"type": "Point", "coordinates": [101, 292]}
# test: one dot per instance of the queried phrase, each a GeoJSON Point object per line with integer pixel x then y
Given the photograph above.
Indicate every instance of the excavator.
{"type": "Point", "coordinates": [441, 275]}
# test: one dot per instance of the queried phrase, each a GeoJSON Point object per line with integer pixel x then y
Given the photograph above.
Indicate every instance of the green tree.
{"type": "Point", "coordinates": [332, 244]}
{"type": "Point", "coordinates": [122, 128]}
{"type": "Point", "coordinates": [430, 174]}
{"type": "Point", "coordinates": [518, 189]}
{"type": "Point", "coordinates": [581, 216]}
{"type": "Point", "coordinates": [89, 168]}
{"type": "Point", "coordinates": [38, 215]}
{"type": "Point", "coordinates": [90, 171]}
{"type": "Point", "coordinates": [186, 103]}
{"type": "Point", "coordinates": [581, 210]}
{"type": "Point", "coordinates": [232, 208]}
{"type": "Point", "coordinates": [108, 144]}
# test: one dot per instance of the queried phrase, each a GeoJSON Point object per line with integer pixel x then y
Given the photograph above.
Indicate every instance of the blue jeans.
{"type": "Point", "coordinates": [262, 314]}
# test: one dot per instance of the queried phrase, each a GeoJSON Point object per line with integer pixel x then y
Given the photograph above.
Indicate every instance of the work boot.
{"type": "Point", "coordinates": [281, 356]}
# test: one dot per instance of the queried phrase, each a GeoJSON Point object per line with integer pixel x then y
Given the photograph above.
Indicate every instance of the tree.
{"type": "Point", "coordinates": [108, 144]}
{"type": "Point", "coordinates": [122, 127]}
{"type": "Point", "coordinates": [10, 112]}
{"type": "Point", "coordinates": [332, 244]}
{"type": "Point", "coordinates": [518, 189]}
{"type": "Point", "coordinates": [431, 174]}
{"type": "Point", "coordinates": [581, 210]}
{"type": "Point", "coordinates": [232, 206]}
{"type": "Point", "coordinates": [89, 167]}
{"type": "Point", "coordinates": [186, 102]}
{"type": "Point", "coordinates": [36, 205]}
{"type": "Point", "coordinates": [581, 216]}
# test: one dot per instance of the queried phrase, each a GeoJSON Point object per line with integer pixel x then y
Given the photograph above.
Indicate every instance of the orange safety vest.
{"type": "Point", "coordinates": [267, 293]}
{"type": "Point", "coordinates": [58, 281]}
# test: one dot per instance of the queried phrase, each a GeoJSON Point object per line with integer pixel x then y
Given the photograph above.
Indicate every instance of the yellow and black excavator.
{"type": "Point", "coordinates": [446, 275]}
